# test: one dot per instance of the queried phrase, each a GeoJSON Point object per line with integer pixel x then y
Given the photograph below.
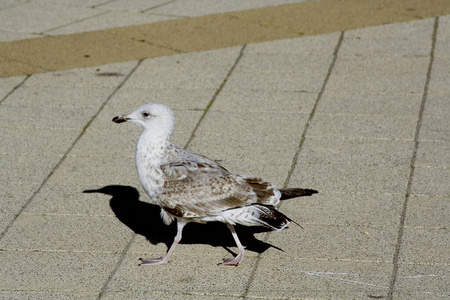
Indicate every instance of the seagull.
{"type": "Point", "coordinates": [193, 188]}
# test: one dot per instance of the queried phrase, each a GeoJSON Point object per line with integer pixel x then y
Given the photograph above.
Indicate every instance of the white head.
{"type": "Point", "coordinates": [153, 117]}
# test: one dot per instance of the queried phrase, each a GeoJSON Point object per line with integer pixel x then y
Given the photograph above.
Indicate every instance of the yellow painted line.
{"type": "Point", "coordinates": [207, 33]}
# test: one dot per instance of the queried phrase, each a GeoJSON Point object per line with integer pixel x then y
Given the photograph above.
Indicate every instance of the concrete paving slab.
{"type": "Point", "coordinates": [323, 44]}
{"type": "Point", "coordinates": [41, 271]}
{"type": "Point", "coordinates": [50, 295]}
{"type": "Point", "coordinates": [279, 81]}
{"type": "Point", "coordinates": [32, 169]}
{"type": "Point", "coordinates": [356, 151]}
{"type": "Point", "coordinates": [434, 129]}
{"type": "Point", "coordinates": [41, 16]}
{"type": "Point", "coordinates": [133, 6]}
{"type": "Point", "coordinates": [344, 102]}
{"type": "Point", "coordinates": [98, 171]}
{"type": "Point", "coordinates": [261, 149]}
{"type": "Point", "coordinates": [296, 278]}
{"type": "Point", "coordinates": [143, 295]}
{"type": "Point", "coordinates": [45, 117]}
{"type": "Point", "coordinates": [264, 101]}
{"type": "Point", "coordinates": [345, 209]}
{"type": "Point", "coordinates": [66, 232]}
{"type": "Point", "coordinates": [422, 282]}
{"type": "Point", "coordinates": [69, 199]}
{"type": "Point", "coordinates": [178, 99]}
{"type": "Point", "coordinates": [424, 211]}
{"type": "Point", "coordinates": [106, 76]}
{"type": "Point", "coordinates": [36, 141]}
{"type": "Point", "coordinates": [57, 96]}
{"type": "Point", "coordinates": [362, 126]}
{"type": "Point", "coordinates": [252, 123]}
{"type": "Point", "coordinates": [425, 245]}
{"type": "Point", "coordinates": [185, 274]}
{"type": "Point", "coordinates": [437, 105]}
{"type": "Point", "coordinates": [431, 181]}
{"type": "Point", "coordinates": [7, 85]}
{"type": "Point", "coordinates": [351, 178]}
{"type": "Point", "coordinates": [334, 242]}
{"type": "Point", "coordinates": [106, 19]}
{"type": "Point", "coordinates": [433, 154]}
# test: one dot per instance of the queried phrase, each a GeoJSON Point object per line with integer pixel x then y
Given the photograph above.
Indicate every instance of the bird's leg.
{"type": "Point", "coordinates": [237, 260]}
{"type": "Point", "coordinates": [165, 259]}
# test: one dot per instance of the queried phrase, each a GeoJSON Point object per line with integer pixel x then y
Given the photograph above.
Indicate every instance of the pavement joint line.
{"type": "Point", "coordinates": [302, 139]}
{"type": "Point", "coordinates": [71, 23]}
{"type": "Point", "coordinates": [7, 227]}
{"type": "Point", "coordinates": [157, 6]}
{"type": "Point", "coordinates": [116, 268]}
{"type": "Point", "coordinates": [412, 165]}
{"type": "Point", "coordinates": [14, 89]}
{"type": "Point", "coordinates": [214, 97]}
{"type": "Point", "coordinates": [313, 111]}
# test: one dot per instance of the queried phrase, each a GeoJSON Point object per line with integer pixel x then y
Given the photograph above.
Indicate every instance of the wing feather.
{"type": "Point", "coordinates": [200, 189]}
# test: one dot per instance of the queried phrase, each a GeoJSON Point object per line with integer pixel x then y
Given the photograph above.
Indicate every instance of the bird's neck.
{"type": "Point", "coordinates": [152, 147]}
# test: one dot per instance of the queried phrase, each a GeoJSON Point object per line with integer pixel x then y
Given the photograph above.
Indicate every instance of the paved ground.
{"type": "Point", "coordinates": [362, 115]}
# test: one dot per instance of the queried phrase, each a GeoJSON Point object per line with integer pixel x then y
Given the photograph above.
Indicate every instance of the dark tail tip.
{"type": "Point", "coordinates": [289, 193]}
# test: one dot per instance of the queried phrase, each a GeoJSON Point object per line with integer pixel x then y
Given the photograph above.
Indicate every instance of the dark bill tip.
{"type": "Point", "coordinates": [120, 119]}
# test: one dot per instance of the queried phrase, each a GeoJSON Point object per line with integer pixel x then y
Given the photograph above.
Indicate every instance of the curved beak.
{"type": "Point", "coordinates": [120, 119]}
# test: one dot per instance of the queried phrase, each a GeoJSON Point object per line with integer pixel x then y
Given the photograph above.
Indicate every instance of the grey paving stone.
{"type": "Point", "coordinates": [50, 295]}
{"type": "Point", "coordinates": [422, 282]}
{"type": "Point", "coordinates": [437, 105]}
{"type": "Point", "coordinates": [362, 126]}
{"type": "Point", "coordinates": [343, 102]}
{"type": "Point", "coordinates": [425, 245]}
{"type": "Point", "coordinates": [37, 141]}
{"type": "Point", "coordinates": [345, 209]}
{"type": "Point", "coordinates": [26, 169]}
{"type": "Point", "coordinates": [440, 76]}
{"type": "Point", "coordinates": [433, 153]}
{"type": "Point", "coordinates": [280, 81]}
{"type": "Point", "coordinates": [233, 147]}
{"type": "Point", "coordinates": [431, 182]}
{"type": "Point", "coordinates": [284, 62]}
{"type": "Point", "coordinates": [323, 44]}
{"type": "Point", "coordinates": [9, 36]}
{"type": "Point", "coordinates": [185, 274]}
{"type": "Point", "coordinates": [109, 19]}
{"type": "Point", "coordinates": [434, 128]}
{"type": "Point", "coordinates": [415, 30]}
{"type": "Point", "coordinates": [58, 97]}
{"type": "Point", "coordinates": [100, 171]}
{"type": "Point", "coordinates": [177, 99]}
{"type": "Point", "coordinates": [264, 101]}
{"type": "Point", "coordinates": [30, 271]}
{"type": "Point", "coordinates": [356, 151]}
{"type": "Point", "coordinates": [351, 178]}
{"type": "Point", "coordinates": [70, 199]}
{"type": "Point", "coordinates": [134, 6]}
{"type": "Point", "coordinates": [204, 7]}
{"type": "Point", "coordinates": [45, 117]}
{"type": "Point", "coordinates": [424, 211]}
{"type": "Point", "coordinates": [253, 123]}
{"type": "Point", "coordinates": [144, 295]}
{"type": "Point", "coordinates": [296, 278]}
{"type": "Point", "coordinates": [8, 84]}
{"type": "Point", "coordinates": [105, 76]}
{"type": "Point", "coordinates": [15, 195]}
{"type": "Point", "coordinates": [335, 242]}
{"type": "Point", "coordinates": [66, 232]}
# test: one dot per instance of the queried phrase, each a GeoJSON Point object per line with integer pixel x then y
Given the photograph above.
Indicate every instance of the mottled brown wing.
{"type": "Point", "coordinates": [194, 189]}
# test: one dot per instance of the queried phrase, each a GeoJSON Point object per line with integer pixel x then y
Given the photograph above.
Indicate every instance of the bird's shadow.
{"type": "Point", "coordinates": [144, 219]}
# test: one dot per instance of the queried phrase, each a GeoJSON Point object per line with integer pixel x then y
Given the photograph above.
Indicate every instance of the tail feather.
{"type": "Point", "coordinates": [289, 193]}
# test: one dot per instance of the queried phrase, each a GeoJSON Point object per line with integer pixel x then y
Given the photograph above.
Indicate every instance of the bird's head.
{"type": "Point", "coordinates": [152, 117]}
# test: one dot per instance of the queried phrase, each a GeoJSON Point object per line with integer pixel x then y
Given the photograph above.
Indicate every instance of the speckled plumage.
{"type": "Point", "coordinates": [193, 188]}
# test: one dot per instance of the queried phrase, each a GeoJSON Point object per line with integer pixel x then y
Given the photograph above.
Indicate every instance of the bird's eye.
{"type": "Point", "coordinates": [145, 114]}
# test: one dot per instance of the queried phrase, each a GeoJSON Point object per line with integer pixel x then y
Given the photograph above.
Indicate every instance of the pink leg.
{"type": "Point", "coordinates": [237, 260]}
{"type": "Point", "coordinates": [165, 259]}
